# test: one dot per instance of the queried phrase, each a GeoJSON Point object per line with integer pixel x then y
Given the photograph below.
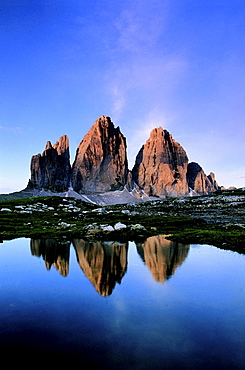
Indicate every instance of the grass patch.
{"type": "Point", "coordinates": [57, 217]}
{"type": "Point", "coordinates": [223, 237]}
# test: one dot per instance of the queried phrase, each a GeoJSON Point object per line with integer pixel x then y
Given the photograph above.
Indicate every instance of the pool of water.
{"type": "Point", "coordinates": [155, 305]}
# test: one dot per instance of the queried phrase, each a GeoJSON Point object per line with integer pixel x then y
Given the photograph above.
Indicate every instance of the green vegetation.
{"type": "Point", "coordinates": [216, 220]}
{"type": "Point", "coordinates": [232, 238]}
{"type": "Point", "coordinates": [41, 217]}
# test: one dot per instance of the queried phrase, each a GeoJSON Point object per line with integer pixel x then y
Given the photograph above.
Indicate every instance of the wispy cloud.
{"type": "Point", "coordinates": [15, 130]}
{"type": "Point", "coordinates": [118, 100]}
{"type": "Point", "coordinates": [140, 67]}
{"type": "Point", "coordinates": [136, 28]}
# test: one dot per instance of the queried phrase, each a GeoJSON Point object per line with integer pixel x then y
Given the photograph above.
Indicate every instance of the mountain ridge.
{"type": "Point", "coordinates": [161, 168]}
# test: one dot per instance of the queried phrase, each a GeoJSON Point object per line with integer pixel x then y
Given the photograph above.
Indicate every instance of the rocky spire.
{"type": "Point", "coordinates": [161, 165]}
{"type": "Point", "coordinates": [199, 181]}
{"type": "Point", "coordinates": [101, 160]}
{"type": "Point", "coordinates": [52, 169]}
{"type": "Point", "coordinates": [213, 182]}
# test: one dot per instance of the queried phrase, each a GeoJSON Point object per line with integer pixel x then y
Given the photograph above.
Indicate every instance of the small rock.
{"type": "Point", "coordinates": [107, 228]}
{"type": "Point", "coordinates": [93, 226]}
{"type": "Point", "coordinates": [99, 210]}
{"type": "Point", "coordinates": [64, 225]}
{"type": "Point", "coordinates": [6, 210]}
{"type": "Point", "coordinates": [137, 227]}
{"type": "Point", "coordinates": [119, 226]}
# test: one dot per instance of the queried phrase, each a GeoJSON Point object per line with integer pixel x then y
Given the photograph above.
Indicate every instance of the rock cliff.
{"type": "Point", "coordinates": [161, 166]}
{"type": "Point", "coordinates": [213, 183]}
{"type": "Point", "coordinates": [101, 159]}
{"type": "Point", "coordinates": [199, 181]}
{"type": "Point", "coordinates": [52, 169]}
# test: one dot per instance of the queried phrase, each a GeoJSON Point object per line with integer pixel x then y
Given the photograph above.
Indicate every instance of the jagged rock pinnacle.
{"type": "Point", "coordinates": [101, 159]}
{"type": "Point", "coordinates": [161, 165]}
{"type": "Point", "coordinates": [52, 169]}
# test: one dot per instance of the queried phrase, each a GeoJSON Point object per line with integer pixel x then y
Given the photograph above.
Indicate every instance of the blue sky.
{"type": "Point", "coordinates": [178, 64]}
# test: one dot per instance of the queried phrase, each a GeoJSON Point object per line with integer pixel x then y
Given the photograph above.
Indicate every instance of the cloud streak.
{"type": "Point", "coordinates": [136, 29]}
{"type": "Point", "coordinates": [14, 130]}
{"type": "Point", "coordinates": [140, 71]}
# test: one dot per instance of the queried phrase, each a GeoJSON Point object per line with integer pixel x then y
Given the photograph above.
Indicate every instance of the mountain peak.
{"type": "Point", "coordinates": [161, 166]}
{"type": "Point", "coordinates": [52, 169]}
{"type": "Point", "coordinates": [101, 160]}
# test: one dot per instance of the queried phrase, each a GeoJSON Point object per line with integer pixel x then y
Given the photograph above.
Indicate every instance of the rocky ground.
{"type": "Point", "coordinates": [216, 219]}
{"type": "Point", "coordinates": [102, 199]}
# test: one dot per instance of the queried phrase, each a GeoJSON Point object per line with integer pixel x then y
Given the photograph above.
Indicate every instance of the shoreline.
{"type": "Point", "coordinates": [217, 219]}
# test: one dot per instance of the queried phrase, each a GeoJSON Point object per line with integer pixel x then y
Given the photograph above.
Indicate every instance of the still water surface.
{"type": "Point", "coordinates": [157, 305]}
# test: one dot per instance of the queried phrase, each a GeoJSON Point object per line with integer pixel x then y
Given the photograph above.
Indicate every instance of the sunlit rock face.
{"type": "Point", "coordinates": [51, 170]}
{"type": "Point", "coordinates": [53, 253]}
{"type": "Point", "coordinates": [103, 263]}
{"type": "Point", "coordinates": [162, 256]}
{"type": "Point", "coordinates": [101, 159]}
{"type": "Point", "coordinates": [161, 166]}
{"type": "Point", "coordinates": [199, 181]}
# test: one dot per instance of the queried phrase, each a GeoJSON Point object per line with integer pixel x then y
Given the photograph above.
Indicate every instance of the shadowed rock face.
{"type": "Point", "coordinates": [199, 181]}
{"type": "Point", "coordinates": [52, 169]}
{"type": "Point", "coordinates": [101, 160]}
{"type": "Point", "coordinates": [161, 166]}
{"type": "Point", "coordinates": [213, 183]}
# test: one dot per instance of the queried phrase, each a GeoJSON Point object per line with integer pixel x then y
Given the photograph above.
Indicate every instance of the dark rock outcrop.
{"type": "Point", "coordinates": [52, 169]}
{"type": "Point", "coordinates": [199, 181]}
{"type": "Point", "coordinates": [101, 160]}
{"type": "Point", "coordinates": [161, 166]}
{"type": "Point", "coordinates": [213, 182]}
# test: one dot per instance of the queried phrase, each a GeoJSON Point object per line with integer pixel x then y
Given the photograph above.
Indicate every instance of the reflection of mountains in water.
{"type": "Point", "coordinates": [105, 263]}
{"type": "Point", "coordinates": [162, 256]}
{"type": "Point", "coordinates": [54, 253]}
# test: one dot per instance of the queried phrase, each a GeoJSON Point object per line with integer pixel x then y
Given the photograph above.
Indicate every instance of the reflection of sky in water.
{"type": "Point", "coordinates": [193, 320]}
